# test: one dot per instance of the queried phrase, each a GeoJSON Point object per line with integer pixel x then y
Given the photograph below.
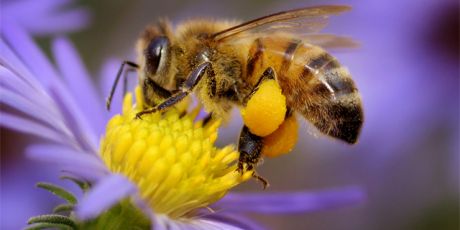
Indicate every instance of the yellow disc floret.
{"type": "Point", "coordinates": [265, 109]}
{"type": "Point", "coordinates": [282, 140]}
{"type": "Point", "coordinates": [171, 158]}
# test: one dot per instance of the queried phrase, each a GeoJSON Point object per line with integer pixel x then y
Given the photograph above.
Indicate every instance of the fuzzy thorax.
{"type": "Point", "coordinates": [170, 157]}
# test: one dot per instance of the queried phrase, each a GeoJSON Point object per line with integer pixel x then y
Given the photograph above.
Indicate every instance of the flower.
{"type": "Point", "coordinates": [170, 158]}
{"type": "Point", "coordinates": [69, 113]}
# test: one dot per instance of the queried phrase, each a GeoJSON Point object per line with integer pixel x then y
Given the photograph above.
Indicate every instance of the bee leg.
{"type": "Point", "coordinates": [268, 74]}
{"type": "Point", "coordinates": [174, 99]}
{"type": "Point", "coordinates": [261, 179]}
{"type": "Point", "coordinates": [207, 119]}
{"type": "Point", "coordinates": [250, 148]}
{"type": "Point", "coordinates": [187, 87]}
{"type": "Point", "coordinates": [125, 79]}
{"type": "Point", "coordinates": [150, 88]}
{"type": "Point", "coordinates": [117, 78]}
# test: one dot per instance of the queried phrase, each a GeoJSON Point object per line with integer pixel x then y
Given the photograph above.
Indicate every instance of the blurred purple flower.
{"type": "Point", "coordinates": [68, 111]}
{"type": "Point", "coordinates": [44, 17]}
{"type": "Point", "coordinates": [40, 18]}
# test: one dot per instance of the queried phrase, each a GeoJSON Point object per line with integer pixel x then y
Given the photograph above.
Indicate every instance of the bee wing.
{"type": "Point", "coordinates": [299, 21]}
{"type": "Point", "coordinates": [330, 41]}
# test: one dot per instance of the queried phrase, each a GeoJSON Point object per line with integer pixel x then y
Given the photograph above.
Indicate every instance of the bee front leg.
{"type": "Point", "coordinates": [132, 65]}
{"type": "Point", "coordinates": [189, 84]}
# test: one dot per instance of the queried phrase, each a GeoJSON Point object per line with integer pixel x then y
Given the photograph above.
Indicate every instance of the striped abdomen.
{"type": "Point", "coordinates": [313, 81]}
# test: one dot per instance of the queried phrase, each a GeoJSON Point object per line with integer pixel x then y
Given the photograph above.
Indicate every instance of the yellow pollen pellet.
{"type": "Point", "coordinates": [282, 140]}
{"type": "Point", "coordinates": [265, 110]}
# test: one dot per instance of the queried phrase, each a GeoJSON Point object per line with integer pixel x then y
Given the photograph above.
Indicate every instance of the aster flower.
{"type": "Point", "coordinates": [166, 164]}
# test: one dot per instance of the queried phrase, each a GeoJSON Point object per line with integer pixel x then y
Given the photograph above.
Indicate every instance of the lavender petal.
{"type": "Point", "coordinates": [62, 22]}
{"type": "Point", "coordinates": [13, 63]}
{"type": "Point", "coordinates": [76, 162]}
{"type": "Point", "coordinates": [79, 82]}
{"type": "Point", "coordinates": [46, 16]}
{"type": "Point", "coordinates": [235, 220]}
{"type": "Point", "coordinates": [30, 54]}
{"type": "Point", "coordinates": [164, 222]}
{"type": "Point", "coordinates": [42, 68]}
{"type": "Point", "coordinates": [210, 224]}
{"type": "Point", "coordinates": [86, 138]}
{"type": "Point", "coordinates": [31, 7]}
{"type": "Point", "coordinates": [104, 195]}
{"type": "Point", "coordinates": [28, 126]}
{"type": "Point", "coordinates": [15, 83]}
{"type": "Point", "coordinates": [15, 75]}
{"type": "Point", "coordinates": [284, 203]}
{"type": "Point", "coordinates": [34, 110]}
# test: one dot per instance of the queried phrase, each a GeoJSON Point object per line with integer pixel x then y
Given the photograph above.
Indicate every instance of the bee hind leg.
{"type": "Point", "coordinates": [250, 148]}
{"type": "Point", "coordinates": [261, 179]}
{"type": "Point", "coordinates": [192, 80]}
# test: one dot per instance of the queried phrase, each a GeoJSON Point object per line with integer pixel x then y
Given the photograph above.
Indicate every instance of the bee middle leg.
{"type": "Point", "coordinates": [189, 84]}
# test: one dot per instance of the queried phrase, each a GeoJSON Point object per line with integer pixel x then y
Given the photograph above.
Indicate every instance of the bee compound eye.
{"type": "Point", "coordinates": [155, 53]}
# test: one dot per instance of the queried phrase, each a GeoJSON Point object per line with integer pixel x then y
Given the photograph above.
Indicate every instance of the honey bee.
{"type": "Point", "coordinates": [223, 63]}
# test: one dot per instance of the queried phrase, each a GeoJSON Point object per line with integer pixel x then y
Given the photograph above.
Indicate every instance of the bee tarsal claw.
{"type": "Point", "coordinates": [139, 116]}
{"type": "Point", "coordinates": [264, 182]}
{"type": "Point", "coordinates": [240, 168]}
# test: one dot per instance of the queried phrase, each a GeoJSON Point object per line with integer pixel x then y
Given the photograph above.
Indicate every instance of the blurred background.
{"type": "Point", "coordinates": [407, 70]}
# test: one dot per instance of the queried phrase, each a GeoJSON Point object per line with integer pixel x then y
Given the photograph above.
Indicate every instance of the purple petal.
{"type": "Point", "coordinates": [15, 83]}
{"type": "Point", "coordinates": [235, 220]}
{"type": "Point", "coordinates": [16, 76]}
{"type": "Point", "coordinates": [30, 54]}
{"type": "Point", "coordinates": [46, 16]}
{"type": "Point", "coordinates": [104, 195]}
{"type": "Point", "coordinates": [34, 110]}
{"type": "Point", "coordinates": [79, 82]}
{"type": "Point", "coordinates": [32, 7]}
{"type": "Point", "coordinates": [209, 224]}
{"type": "Point", "coordinates": [44, 71]}
{"type": "Point", "coordinates": [12, 62]}
{"type": "Point", "coordinates": [76, 162]}
{"type": "Point", "coordinates": [284, 203]}
{"type": "Point", "coordinates": [164, 222]}
{"type": "Point", "coordinates": [75, 120]}
{"type": "Point", "coordinates": [67, 21]}
{"type": "Point", "coordinates": [28, 126]}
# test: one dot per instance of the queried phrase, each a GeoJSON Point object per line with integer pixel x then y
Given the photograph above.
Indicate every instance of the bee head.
{"type": "Point", "coordinates": [154, 51]}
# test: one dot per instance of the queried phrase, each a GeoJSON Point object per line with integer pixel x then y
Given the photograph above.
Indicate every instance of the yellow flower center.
{"type": "Point", "coordinates": [171, 158]}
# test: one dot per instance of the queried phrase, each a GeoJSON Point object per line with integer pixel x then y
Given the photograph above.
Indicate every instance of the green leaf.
{"type": "Point", "coordinates": [84, 185]}
{"type": "Point", "coordinates": [53, 219]}
{"type": "Point", "coordinates": [124, 215]}
{"type": "Point", "coordinates": [58, 191]}
{"type": "Point", "coordinates": [63, 208]}
{"type": "Point", "coordinates": [40, 226]}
